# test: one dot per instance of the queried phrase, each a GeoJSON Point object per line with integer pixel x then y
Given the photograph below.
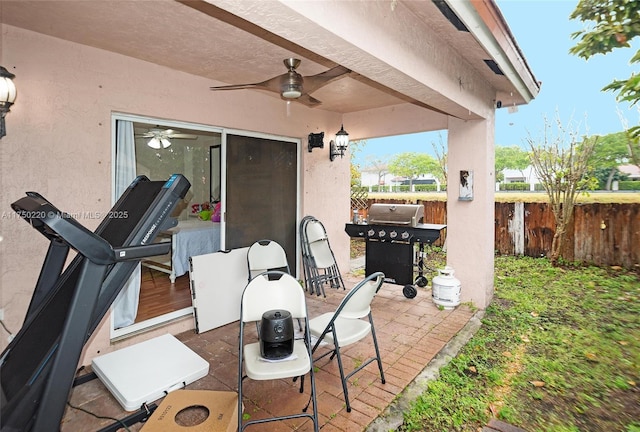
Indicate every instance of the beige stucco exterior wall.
{"type": "Point", "coordinates": [59, 144]}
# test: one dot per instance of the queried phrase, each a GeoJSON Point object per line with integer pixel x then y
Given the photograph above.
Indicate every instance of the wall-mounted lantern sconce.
{"type": "Point", "coordinates": [7, 96]}
{"type": "Point", "coordinates": [340, 146]}
{"type": "Point", "coordinates": [316, 141]}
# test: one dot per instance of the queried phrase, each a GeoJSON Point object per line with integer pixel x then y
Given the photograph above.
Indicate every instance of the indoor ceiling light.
{"type": "Point", "coordinates": [158, 143]}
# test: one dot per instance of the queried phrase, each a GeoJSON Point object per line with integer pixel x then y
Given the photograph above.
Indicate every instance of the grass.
{"type": "Point", "coordinates": [559, 350]}
{"type": "Point", "coordinates": [593, 197]}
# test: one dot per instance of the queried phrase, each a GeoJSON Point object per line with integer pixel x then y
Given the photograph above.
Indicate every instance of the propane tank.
{"type": "Point", "coordinates": [446, 288]}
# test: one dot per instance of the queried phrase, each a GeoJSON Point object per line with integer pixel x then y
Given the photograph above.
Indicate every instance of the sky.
{"type": "Point", "coordinates": [571, 86]}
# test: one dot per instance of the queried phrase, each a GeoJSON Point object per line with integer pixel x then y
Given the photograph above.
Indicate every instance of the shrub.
{"type": "Point", "coordinates": [629, 185]}
{"type": "Point", "coordinates": [426, 188]}
{"type": "Point", "coordinates": [515, 186]}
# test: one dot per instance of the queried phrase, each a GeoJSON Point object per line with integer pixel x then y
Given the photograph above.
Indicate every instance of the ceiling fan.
{"type": "Point", "coordinates": [161, 138]}
{"type": "Point", "coordinates": [293, 86]}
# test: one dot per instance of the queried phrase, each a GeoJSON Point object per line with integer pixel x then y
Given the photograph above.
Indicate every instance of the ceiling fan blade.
{"type": "Point", "coordinates": [272, 84]}
{"type": "Point", "coordinates": [235, 87]}
{"type": "Point", "coordinates": [307, 100]}
{"type": "Point", "coordinates": [314, 82]}
{"type": "Point", "coordinates": [182, 136]}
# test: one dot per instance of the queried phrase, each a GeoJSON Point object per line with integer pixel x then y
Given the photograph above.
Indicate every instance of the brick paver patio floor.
{"type": "Point", "coordinates": [410, 333]}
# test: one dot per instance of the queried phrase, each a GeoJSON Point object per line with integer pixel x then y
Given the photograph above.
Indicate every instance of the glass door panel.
{"type": "Point", "coordinates": [261, 193]}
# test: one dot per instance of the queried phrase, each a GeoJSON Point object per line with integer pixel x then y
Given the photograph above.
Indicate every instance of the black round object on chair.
{"type": "Point", "coordinates": [276, 334]}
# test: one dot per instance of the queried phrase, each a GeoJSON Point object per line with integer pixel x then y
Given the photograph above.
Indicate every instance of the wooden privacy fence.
{"type": "Point", "coordinates": [600, 234]}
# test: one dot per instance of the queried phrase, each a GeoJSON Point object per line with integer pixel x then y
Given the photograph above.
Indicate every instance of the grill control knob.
{"type": "Point", "coordinates": [405, 235]}
{"type": "Point", "coordinates": [382, 233]}
{"type": "Point", "coordinates": [393, 234]}
{"type": "Point", "coordinates": [371, 233]}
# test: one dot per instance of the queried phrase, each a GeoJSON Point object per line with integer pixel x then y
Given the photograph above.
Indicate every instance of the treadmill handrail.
{"type": "Point", "coordinates": [142, 251]}
{"type": "Point", "coordinates": [52, 223]}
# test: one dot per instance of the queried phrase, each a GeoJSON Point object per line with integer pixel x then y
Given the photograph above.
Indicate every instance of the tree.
{"type": "Point", "coordinates": [615, 24]}
{"type": "Point", "coordinates": [562, 168]}
{"type": "Point", "coordinates": [412, 165]}
{"type": "Point", "coordinates": [512, 157]}
{"type": "Point", "coordinates": [378, 166]}
{"type": "Point", "coordinates": [354, 147]}
{"type": "Point", "coordinates": [356, 176]}
{"type": "Point", "coordinates": [441, 157]}
{"type": "Point", "coordinates": [633, 144]}
{"type": "Point", "coordinates": [610, 152]}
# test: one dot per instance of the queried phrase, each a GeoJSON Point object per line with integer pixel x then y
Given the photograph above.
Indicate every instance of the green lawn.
{"type": "Point", "coordinates": [559, 350]}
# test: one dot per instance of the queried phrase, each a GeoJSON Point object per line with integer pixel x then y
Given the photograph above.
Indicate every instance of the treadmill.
{"type": "Point", "coordinates": [38, 367]}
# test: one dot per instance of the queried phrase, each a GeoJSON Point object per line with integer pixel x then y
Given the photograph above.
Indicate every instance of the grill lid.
{"type": "Point", "coordinates": [396, 214]}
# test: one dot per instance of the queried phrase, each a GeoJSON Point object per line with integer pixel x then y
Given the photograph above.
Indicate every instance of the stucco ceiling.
{"type": "Point", "coordinates": [201, 39]}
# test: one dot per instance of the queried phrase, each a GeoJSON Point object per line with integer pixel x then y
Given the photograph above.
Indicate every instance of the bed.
{"type": "Point", "coordinates": [189, 238]}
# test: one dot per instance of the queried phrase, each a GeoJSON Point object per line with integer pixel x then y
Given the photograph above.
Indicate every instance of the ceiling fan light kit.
{"type": "Point", "coordinates": [291, 92]}
{"type": "Point", "coordinates": [291, 87]}
{"type": "Point", "coordinates": [161, 139]}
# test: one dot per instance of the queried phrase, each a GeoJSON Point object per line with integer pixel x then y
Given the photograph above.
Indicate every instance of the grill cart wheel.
{"type": "Point", "coordinates": [422, 281]}
{"type": "Point", "coordinates": [409, 291]}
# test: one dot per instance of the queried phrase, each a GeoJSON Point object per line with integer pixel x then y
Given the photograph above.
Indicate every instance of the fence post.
{"type": "Point", "coordinates": [516, 228]}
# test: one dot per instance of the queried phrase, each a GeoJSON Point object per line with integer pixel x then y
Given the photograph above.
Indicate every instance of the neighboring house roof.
{"type": "Point", "coordinates": [633, 171]}
{"type": "Point", "coordinates": [528, 174]}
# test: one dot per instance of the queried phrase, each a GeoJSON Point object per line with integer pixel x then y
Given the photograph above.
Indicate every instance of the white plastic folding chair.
{"type": "Point", "coordinates": [346, 326]}
{"type": "Point", "coordinates": [265, 255]}
{"type": "Point", "coordinates": [274, 290]}
{"type": "Point", "coordinates": [320, 267]}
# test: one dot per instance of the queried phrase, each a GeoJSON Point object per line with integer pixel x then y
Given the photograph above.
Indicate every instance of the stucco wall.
{"type": "Point", "coordinates": [59, 144]}
{"type": "Point", "coordinates": [471, 224]}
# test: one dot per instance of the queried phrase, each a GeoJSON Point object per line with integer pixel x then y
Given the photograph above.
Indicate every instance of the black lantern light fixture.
{"type": "Point", "coordinates": [339, 147]}
{"type": "Point", "coordinates": [7, 96]}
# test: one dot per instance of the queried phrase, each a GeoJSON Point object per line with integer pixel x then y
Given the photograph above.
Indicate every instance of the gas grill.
{"type": "Point", "coordinates": [390, 234]}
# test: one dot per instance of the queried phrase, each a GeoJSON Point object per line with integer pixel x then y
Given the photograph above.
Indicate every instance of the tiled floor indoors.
{"type": "Point", "coordinates": [410, 333]}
